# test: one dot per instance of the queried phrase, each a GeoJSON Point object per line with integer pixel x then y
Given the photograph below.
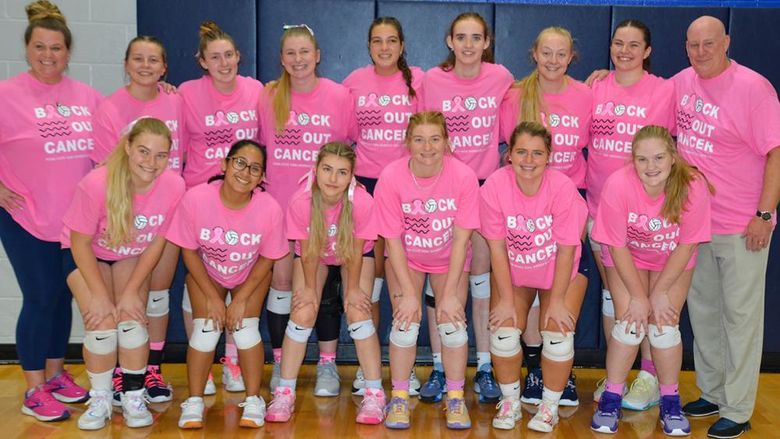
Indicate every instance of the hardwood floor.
{"type": "Point", "coordinates": [334, 417]}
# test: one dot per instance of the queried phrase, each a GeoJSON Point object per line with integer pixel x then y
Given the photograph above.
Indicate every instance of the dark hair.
{"type": "Point", "coordinates": [402, 65]}
{"type": "Point", "coordinates": [209, 31]}
{"type": "Point", "coordinates": [533, 129]}
{"type": "Point", "coordinates": [234, 150]}
{"type": "Point", "coordinates": [46, 15]}
{"type": "Point", "coordinates": [487, 55]}
{"type": "Point", "coordinates": [645, 35]}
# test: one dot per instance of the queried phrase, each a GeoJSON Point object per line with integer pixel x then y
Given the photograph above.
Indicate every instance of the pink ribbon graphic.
{"type": "Point", "coordinates": [371, 100]}
{"type": "Point", "coordinates": [642, 222]}
{"type": "Point", "coordinates": [418, 208]}
{"type": "Point", "coordinates": [293, 119]}
{"type": "Point", "coordinates": [51, 112]}
{"type": "Point", "coordinates": [219, 117]}
{"type": "Point", "coordinates": [607, 110]}
{"type": "Point", "coordinates": [456, 104]}
{"type": "Point", "coordinates": [217, 233]}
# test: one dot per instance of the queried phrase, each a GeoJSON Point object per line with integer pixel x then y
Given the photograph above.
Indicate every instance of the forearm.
{"type": "Point", "coordinates": [674, 267]}
{"type": "Point", "coordinates": [260, 270]}
{"type": "Point", "coordinates": [624, 264]}
{"type": "Point", "coordinates": [309, 266]}
{"type": "Point", "coordinates": [564, 260]}
{"type": "Point", "coordinates": [81, 248]}
{"type": "Point", "coordinates": [198, 272]}
{"type": "Point", "coordinates": [499, 263]}
{"type": "Point", "coordinates": [146, 264]}
{"type": "Point", "coordinates": [770, 193]}
{"type": "Point", "coordinates": [457, 261]}
{"type": "Point", "coordinates": [355, 266]}
{"type": "Point", "coordinates": [397, 257]}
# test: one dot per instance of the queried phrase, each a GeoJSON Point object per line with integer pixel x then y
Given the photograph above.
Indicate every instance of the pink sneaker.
{"type": "Point", "coordinates": [372, 409]}
{"type": "Point", "coordinates": [64, 389]}
{"type": "Point", "coordinates": [281, 407]}
{"type": "Point", "coordinates": [39, 404]}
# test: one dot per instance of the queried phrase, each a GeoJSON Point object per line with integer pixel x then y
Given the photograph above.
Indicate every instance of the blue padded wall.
{"type": "Point", "coordinates": [755, 41]}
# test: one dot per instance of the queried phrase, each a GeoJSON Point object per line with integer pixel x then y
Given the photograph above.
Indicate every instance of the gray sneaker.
{"type": "Point", "coordinates": [328, 381]}
{"type": "Point", "coordinates": [276, 374]}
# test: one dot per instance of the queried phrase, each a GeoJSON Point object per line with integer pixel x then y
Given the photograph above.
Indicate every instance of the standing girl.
{"type": "Point", "coordinates": [38, 176]}
{"type": "Point", "coordinates": [115, 230]}
{"type": "Point", "coordinates": [228, 230]}
{"type": "Point", "coordinates": [427, 209]}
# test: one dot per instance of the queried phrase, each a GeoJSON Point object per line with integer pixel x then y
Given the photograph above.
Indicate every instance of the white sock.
{"type": "Point", "coordinates": [101, 380]}
{"type": "Point", "coordinates": [483, 359]}
{"type": "Point", "coordinates": [511, 390]}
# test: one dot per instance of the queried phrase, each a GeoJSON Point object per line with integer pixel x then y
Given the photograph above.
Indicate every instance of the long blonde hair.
{"type": "Point", "coordinates": [280, 89]}
{"type": "Point", "coordinates": [119, 189]}
{"type": "Point", "coordinates": [317, 233]}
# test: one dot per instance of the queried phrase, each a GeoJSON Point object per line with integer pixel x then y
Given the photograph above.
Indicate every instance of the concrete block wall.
{"type": "Point", "coordinates": [101, 30]}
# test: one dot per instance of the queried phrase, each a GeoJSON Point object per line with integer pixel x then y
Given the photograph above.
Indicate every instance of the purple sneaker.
{"type": "Point", "coordinates": [605, 419]}
{"type": "Point", "coordinates": [673, 421]}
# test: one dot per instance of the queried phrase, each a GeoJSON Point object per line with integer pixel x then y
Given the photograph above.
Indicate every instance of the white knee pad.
{"type": "Point", "coordinates": [204, 335]}
{"type": "Point", "coordinates": [556, 346]}
{"type": "Point", "coordinates": [361, 330]}
{"type": "Point", "coordinates": [453, 336]}
{"type": "Point", "coordinates": [405, 338]}
{"type": "Point", "coordinates": [186, 305]}
{"type": "Point", "coordinates": [131, 334]}
{"type": "Point", "coordinates": [480, 286]}
{"type": "Point", "coordinates": [279, 302]}
{"type": "Point", "coordinates": [607, 306]}
{"type": "Point", "coordinates": [663, 337]}
{"type": "Point", "coordinates": [248, 336]}
{"type": "Point", "coordinates": [505, 342]}
{"type": "Point", "coordinates": [376, 293]}
{"type": "Point", "coordinates": [297, 332]}
{"type": "Point", "coordinates": [536, 302]}
{"type": "Point", "coordinates": [632, 338]}
{"type": "Point", "coordinates": [100, 342]}
{"type": "Point", "coordinates": [158, 303]}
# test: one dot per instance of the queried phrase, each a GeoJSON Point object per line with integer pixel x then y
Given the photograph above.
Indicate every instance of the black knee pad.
{"type": "Point", "coordinates": [430, 301]}
{"type": "Point", "coordinates": [328, 324]}
{"type": "Point", "coordinates": [277, 324]}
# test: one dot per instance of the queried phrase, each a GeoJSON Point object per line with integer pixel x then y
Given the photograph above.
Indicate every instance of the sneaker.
{"type": "Point", "coordinates": [41, 405]}
{"type": "Point", "coordinates": [700, 408]}
{"type": "Point", "coordinates": [276, 375]}
{"type": "Point", "coordinates": [569, 397]}
{"type": "Point", "coordinates": [134, 409]}
{"type": "Point", "coordinates": [116, 382]}
{"type": "Point", "coordinates": [674, 423]}
{"type": "Point", "coordinates": [601, 385]}
{"type": "Point", "coordinates": [532, 390]}
{"type": "Point", "coordinates": [544, 420]}
{"type": "Point", "coordinates": [156, 388]}
{"type": "Point", "coordinates": [414, 384]}
{"type": "Point", "coordinates": [643, 393]}
{"type": "Point", "coordinates": [98, 411]}
{"type": "Point", "coordinates": [397, 415]}
{"type": "Point", "coordinates": [282, 406]}
{"type": "Point", "coordinates": [210, 388]}
{"type": "Point", "coordinates": [192, 413]}
{"type": "Point", "coordinates": [359, 383]}
{"type": "Point", "coordinates": [433, 389]}
{"type": "Point", "coordinates": [508, 413]}
{"type": "Point", "coordinates": [64, 389]}
{"type": "Point", "coordinates": [487, 388]}
{"type": "Point", "coordinates": [231, 375]}
{"type": "Point", "coordinates": [457, 413]}
{"type": "Point", "coordinates": [605, 419]}
{"type": "Point", "coordinates": [254, 412]}
{"type": "Point", "coordinates": [725, 428]}
{"type": "Point", "coordinates": [328, 381]}
{"type": "Point", "coordinates": [372, 408]}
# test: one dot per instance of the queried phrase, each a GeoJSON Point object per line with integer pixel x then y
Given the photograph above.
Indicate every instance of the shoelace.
{"type": "Point", "coordinates": [43, 394]}
{"type": "Point", "coordinates": [153, 378]}
{"type": "Point", "coordinates": [456, 406]}
{"type": "Point", "coordinates": [63, 376]}
{"type": "Point", "coordinates": [253, 404]}
{"type": "Point", "coordinates": [671, 408]}
{"type": "Point", "coordinates": [372, 401]}
{"type": "Point", "coordinates": [485, 382]}
{"type": "Point", "coordinates": [137, 402]}
{"type": "Point", "coordinates": [329, 369]}
{"type": "Point", "coordinates": [640, 385]}
{"type": "Point", "coordinates": [96, 401]}
{"type": "Point", "coordinates": [281, 397]}
{"type": "Point", "coordinates": [233, 368]}
{"type": "Point", "coordinates": [534, 379]}
{"type": "Point", "coordinates": [117, 382]}
{"type": "Point", "coordinates": [609, 404]}
{"type": "Point", "coordinates": [398, 405]}
{"type": "Point", "coordinates": [438, 378]}
{"type": "Point", "coordinates": [547, 416]}
{"type": "Point", "coordinates": [504, 407]}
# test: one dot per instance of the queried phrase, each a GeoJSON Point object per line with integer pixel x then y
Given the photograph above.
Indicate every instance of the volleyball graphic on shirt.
{"type": "Point", "coordinates": [140, 222]}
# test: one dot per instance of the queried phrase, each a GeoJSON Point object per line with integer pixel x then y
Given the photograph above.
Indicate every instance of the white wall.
{"type": "Point", "coordinates": [101, 30]}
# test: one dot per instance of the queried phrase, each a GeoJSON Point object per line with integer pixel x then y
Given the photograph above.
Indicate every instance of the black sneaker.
{"type": "Point", "coordinates": [532, 391]}
{"type": "Point", "coordinates": [156, 388]}
{"type": "Point", "coordinates": [700, 408]}
{"type": "Point", "coordinates": [569, 397]}
{"type": "Point", "coordinates": [726, 429]}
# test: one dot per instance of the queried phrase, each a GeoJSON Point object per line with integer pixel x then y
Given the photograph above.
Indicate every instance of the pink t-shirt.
{"type": "Point", "coordinates": [215, 121]}
{"type": "Point", "coordinates": [152, 213]}
{"type": "Point", "coordinates": [117, 111]}
{"type": "Point", "coordinates": [228, 241]}
{"type": "Point", "coordinates": [316, 118]}
{"type": "Point", "coordinates": [363, 224]}
{"type": "Point", "coordinates": [45, 143]}
{"type": "Point", "coordinates": [471, 108]}
{"type": "Point", "coordinates": [629, 217]}
{"type": "Point", "coordinates": [382, 110]}
{"type": "Point", "coordinates": [618, 113]}
{"type": "Point", "coordinates": [567, 116]}
{"type": "Point", "coordinates": [726, 126]}
{"type": "Point", "coordinates": [533, 226]}
{"type": "Point", "coordinates": [422, 212]}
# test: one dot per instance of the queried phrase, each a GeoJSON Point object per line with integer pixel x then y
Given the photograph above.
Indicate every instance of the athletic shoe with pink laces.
{"type": "Point", "coordinates": [282, 406]}
{"type": "Point", "coordinates": [372, 408]}
{"type": "Point", "coordinates": [64, 389]}
{"type": "Point", "coordinates": [231, 375]}
{"type": "Point", "coordinates": [157, 390]}
{"type": "Point", "coordinates": [40, 404]}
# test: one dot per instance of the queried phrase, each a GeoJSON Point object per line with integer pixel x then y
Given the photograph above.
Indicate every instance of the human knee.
{"type": "Point", "coordinates": [452, 336]}
{"type": "Point", "coordinates": [405, 338]}
{"type": "Point", "coordinates": [557, 346]}
{"type": "Point", "coordinates": [101, 342]}
{"type": "Point", "coordinates": [664, 337]}
{"type": "Point", "coordinates": [158, 303]}
{"type": "Point", "coordinates": [306, 315]}
{"type": "Point", "coordinates": [480, 286]}
{"type": "Point", "coordinates": [607, 305]}
{"type": "Point", "coordinates": [505, 342]}
{"type": "Point", "coordinates": [248, 335]}
{"type": "Point", "coordinates": [204, 335]}
{"type": "Point", "coordinates": [131, 334]}
{"type": "Point", "coordinates": [279, 301]}
{"type": "Point", "coordinates": [630, 336]}
{"type": "Point", "coordinates": [298, 332]}
{"type": "Point", "coordinates": [361, 330]}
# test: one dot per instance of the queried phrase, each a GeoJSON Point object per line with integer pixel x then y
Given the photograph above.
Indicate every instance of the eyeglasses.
{"type": "Point", "coordinates": [240, 163]}
{"type": "Point", "coordinates": [295, 26]}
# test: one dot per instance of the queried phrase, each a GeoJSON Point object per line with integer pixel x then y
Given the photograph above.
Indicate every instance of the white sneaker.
{"type": "Point", "coordinates": [414, 384]}
{"type": "Point", "coordinates": [545, 419]}
{"type": "Point", "coordinates": [254, 412]}
{"type": "Point", "coordinates": [210, 388]}
{"type": "Point", "coordinates": [192, 413]}
{"type": "Point", "coordinates": [359, 383]}
{"type": "Point", "coordinates": [643, 393]}
{"type": "Point", "coordinates": [509, 412]}
{"type": "Point", "coordinates": [98, 412]}
{"type": "Point", "coordinates": [601, 386]}
{"type": "Point", "coordinates": [134, 409]}
{"type": "Point", "coordinates": [231, 375]}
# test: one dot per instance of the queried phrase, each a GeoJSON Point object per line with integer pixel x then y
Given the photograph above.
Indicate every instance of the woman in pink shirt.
{"type": "Point", "coordinates": [385, 94]}
{"type": "Point", "coordinates": [300, 112]}
{"type": "Point", "coordinates": [331, 221]}
{"type": "Point", "coordinates": [115, 230]}
{"type": "Point", "coordinates": [228, 230]}
{"type": "Point", "coordinates": [629, 98]}
{"type": "Point", "coordinates": [145, 65]}
{"type": "Point", "coordinates": [563, 105]}
{"type": "Point", "coordinates": [427, 208]}
{"type": "Point", "coordinates": [533, 218]}
{"type": "Point", "coordinates": [652, 216]}
{"type": "Point", "coordinates": [45, 139]}
{"type": "Point", "coordinates": [468, 88]}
